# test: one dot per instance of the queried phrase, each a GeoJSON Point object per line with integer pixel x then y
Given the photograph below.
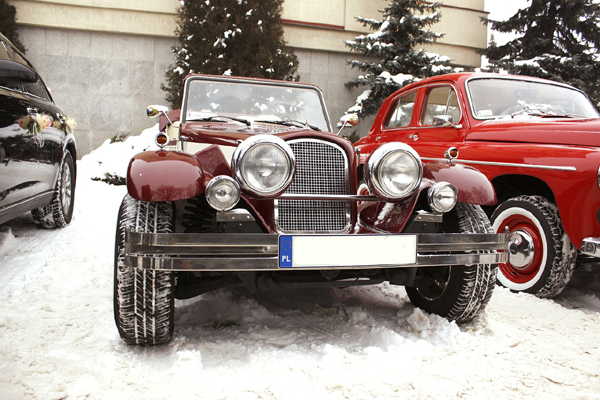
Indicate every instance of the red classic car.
{"type": "Point", "coordinates": [283, 211]}
{"type": "Point", "coordinates": [537, 142]}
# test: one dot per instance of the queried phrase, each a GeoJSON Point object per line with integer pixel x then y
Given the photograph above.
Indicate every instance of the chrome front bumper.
{"type": "Point", "coordinates": [591, 246]}
{"type": "Point", "coordinates": [273, 252]}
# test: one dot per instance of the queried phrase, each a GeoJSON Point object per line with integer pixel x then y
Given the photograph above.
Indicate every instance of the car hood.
{"type": "Point", "coordinates": [230, 133]}
{"type": "Point", "coordinates": [585, 132]}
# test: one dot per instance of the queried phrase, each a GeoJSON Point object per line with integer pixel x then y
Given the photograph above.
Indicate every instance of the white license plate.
{"type": "Point", "coordinates": [330, 251]}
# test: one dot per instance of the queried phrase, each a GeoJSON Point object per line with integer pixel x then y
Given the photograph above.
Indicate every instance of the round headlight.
{"type": "Point", "coordinates": [394, 171]}
{"type": "Point", "coordinates": [264, 165]}
{"type": "Point", "coordinates": [442, 197]}
{"type": "Point", "coordinates": [222, 193]}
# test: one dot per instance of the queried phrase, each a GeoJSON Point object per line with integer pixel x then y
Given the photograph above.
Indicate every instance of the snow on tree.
{"type": "Point", "coordinates": [396, 45]}
{"type": "Point", "coordinates": [229, 37]}
{"type": "Point", "coordinates": [559, 40]}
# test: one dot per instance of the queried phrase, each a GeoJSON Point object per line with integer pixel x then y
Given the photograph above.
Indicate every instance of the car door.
{"type": "Point", "coordinates": [52, 136]}
{"type": "Point", "coordinates": [438, 123]}
{"type": "Point", "coordinates": [18, 145]}
{"type": "Point", "coordinates": [49, 136]}
{"type": "Point", "coordinates": [434, 125]}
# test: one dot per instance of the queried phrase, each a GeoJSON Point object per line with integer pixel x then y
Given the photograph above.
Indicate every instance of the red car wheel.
{"type": "Point", "coordinates": [541, 256]}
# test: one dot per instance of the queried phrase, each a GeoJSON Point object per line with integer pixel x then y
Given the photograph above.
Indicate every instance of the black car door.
{"type": "Point", "coordinates": [51, 135]}
{"type": "Point", "coordinates": [18, 147]}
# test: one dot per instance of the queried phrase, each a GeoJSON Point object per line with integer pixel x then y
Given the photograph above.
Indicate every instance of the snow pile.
{"type": "Point", "coordinates": [58, 339]}
{"type": "Point", "coordinates": [8, 242]}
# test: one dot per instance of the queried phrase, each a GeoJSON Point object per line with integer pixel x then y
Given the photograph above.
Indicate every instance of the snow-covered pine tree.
{"type": "Point", "coordinates": [8, 24]}
{"type": "Point", "coordinates": [396, 47]}
{"type": "Point", "coordinates": [232, 37]}
{"type": "Point", "coordinates": [559, 40]}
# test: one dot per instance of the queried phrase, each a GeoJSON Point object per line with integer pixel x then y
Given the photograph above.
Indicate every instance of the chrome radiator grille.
{"type": "Point", "coordinates": [321, 168]}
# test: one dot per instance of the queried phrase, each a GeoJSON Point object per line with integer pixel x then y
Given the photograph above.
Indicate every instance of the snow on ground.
{"type": "Point", "coordinates": [58, 339]}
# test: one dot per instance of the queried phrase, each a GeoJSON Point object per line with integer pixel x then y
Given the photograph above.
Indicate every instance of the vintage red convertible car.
{"type": "Point", "coordinates": [536, 140]}
{"type": "Point", "coordinates": [281, 210]}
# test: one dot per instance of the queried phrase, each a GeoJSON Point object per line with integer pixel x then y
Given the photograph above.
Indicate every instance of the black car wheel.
{"type": "Point", "coordinates": [143, 299]}
{"type": "Point", "coordinates": [59, 212]}
{"type": "Point", "coordinates": [458, 293]}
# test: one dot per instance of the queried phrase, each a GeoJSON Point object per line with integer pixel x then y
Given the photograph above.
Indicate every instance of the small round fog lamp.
{"type": "Point", "coordinates": [161, 139]}
{"type": "Point", "coordinates": [442, 197]}
{"type": "Point", "coordinates": [222, 193]}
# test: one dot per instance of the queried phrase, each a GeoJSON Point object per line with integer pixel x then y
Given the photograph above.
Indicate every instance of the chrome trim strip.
{"type": "Point", "coordinates": [347, 197]}
{"type": "Point", "coordinates": [503, 164]}
{"type": "Point", "coordinates": [260, 252]}
{"type": "Point", "coordinates": [591, 246]}
{"type": "Point", "coordinates": [271, 263]}
{"type": "Point", "coordinates": [235, 215]}
{"type": "Point", "coordinates": [430, 242]}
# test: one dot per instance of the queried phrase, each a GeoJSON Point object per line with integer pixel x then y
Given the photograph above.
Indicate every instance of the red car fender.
{"type": "Point", "coordinates": [165, 176]}
{"type": "Point", "coordinates": [473, 186]}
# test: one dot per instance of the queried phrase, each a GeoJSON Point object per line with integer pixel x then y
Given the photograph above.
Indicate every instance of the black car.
{"type": "Point", "coordinates": [37, 147]}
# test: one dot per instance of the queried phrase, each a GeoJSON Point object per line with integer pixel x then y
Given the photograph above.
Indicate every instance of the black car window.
{"type": "Point", "coordinates": [4, 55]}
{"type": "Point", "coordinates": [3, 51]}
{"type": "Point", "coordinates": [37, 89]}
{"type": "Point", "coordinates": [440, 101]}
{"type": "Point", "coordinates": [402, 114]}
{"type": "Point", "coordinates": [14, 55]}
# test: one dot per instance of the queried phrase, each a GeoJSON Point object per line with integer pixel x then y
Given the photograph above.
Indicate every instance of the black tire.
{"type": "Point", "coordinates": [457, 293]}
{"type": "Point", "coordinates": [143, 299]}
{"type": "Point", "coordinates": [547, 269]}
{"type": "Point", "coordinates": [59, 212]}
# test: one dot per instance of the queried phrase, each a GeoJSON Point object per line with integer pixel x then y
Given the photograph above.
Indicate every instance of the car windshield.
{"type": "Point", "coordinates": [513, 98]}
{"type": "Point", "coordinates": [209, 99]}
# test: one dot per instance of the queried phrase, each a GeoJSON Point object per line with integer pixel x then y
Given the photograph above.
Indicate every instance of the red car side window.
{"type": "Point", "coordinates": [402, 114]}
{"type": "Point", "coordinates": [440, 101]}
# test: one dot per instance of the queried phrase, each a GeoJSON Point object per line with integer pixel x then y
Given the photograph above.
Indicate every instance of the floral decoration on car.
{"type": "Point", "coordinates": [36, 123]}
{"type": "Point", "coordinates": [66, 123]}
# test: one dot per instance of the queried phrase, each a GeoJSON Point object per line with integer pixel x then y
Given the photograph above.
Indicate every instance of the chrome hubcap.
{"type": "Point", "coordinates": [66, 188]}
{"type": "Point", "coordinates": [521, 249]}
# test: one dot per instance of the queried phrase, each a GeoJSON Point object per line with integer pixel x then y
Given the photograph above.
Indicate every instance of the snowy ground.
{"type": "Point", "coordinates": [58, 339]}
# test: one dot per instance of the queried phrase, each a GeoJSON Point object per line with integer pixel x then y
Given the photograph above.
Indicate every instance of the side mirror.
{"type": "Point", "coordinates": [156, 111]}
{"type": "Point", "coordinates": [442, 120]}
{"type": "Point", "coordinates": [14, 73]}
{"type": "Point", "coordinates": [348, 120]}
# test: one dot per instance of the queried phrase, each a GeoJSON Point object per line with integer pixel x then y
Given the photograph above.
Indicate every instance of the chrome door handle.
{"type": "Point", "coordinates": [414, 136]}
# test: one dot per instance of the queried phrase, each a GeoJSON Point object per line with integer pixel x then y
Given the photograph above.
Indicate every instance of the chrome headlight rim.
{"type": "Point", "coordinates": [435, 190]}
{"type": "Point", "coordinates": [213, 186]}
{"type": "Point", "coordinates": [249, 144]}
{"type": "Point", "coordinates": [373, 165]}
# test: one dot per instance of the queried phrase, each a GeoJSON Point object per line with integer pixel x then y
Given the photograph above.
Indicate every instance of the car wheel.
{"type": "Point", "coordinates": [542, 257]}
{"type": "Point", "coordinates": [458, 293]}
{"type": "Point", "coordinates": [143, 299]}
{"type": "Point", "coordinates": [59, 212]}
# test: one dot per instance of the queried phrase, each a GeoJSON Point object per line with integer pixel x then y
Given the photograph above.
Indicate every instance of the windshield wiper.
{"type": "Point", "coordinates": [290, 122]}
{"type": "Point", "coordinates": [216, 117]}
{"type": "Point", "coordinates": [543, 112]}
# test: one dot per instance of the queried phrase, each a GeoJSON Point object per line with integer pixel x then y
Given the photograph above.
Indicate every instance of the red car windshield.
{"type": "Point", "coordinates": [250, 101]}
{"type": "Point", "coordinates": [514, 98]}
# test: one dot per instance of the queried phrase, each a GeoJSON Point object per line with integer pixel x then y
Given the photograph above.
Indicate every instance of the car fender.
{"type": "Point", "coordinates": [165, 176]}
{"type": "Point", "coordinates": [473, 186]}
